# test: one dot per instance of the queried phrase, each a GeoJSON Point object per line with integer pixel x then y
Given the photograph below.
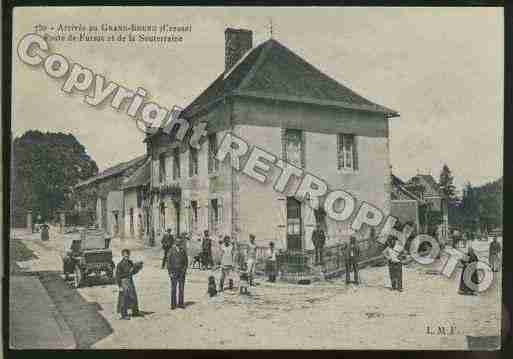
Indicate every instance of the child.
{"type": "Point", "coordinates": [212, 290]}
{"type": "Point", "coordinates": [243, 279]}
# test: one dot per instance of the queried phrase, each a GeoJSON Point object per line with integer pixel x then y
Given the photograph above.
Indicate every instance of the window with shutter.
{"type": "Point", "coordinates": [162, 167]}
{"type": "Point", "coordinates": [293, 147]}
{"type": "Point", "coordinates": [193, 161]}
{"type": "Point", "coordinates": [347, 157]}
{"type": "Point", "coordinates": [176, 163]}
{"type": "Point", "coordinates": [213, 163]}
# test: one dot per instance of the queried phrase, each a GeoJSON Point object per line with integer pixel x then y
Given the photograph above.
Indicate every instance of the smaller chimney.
{"type": "Point", "coordinates": [236, 43]}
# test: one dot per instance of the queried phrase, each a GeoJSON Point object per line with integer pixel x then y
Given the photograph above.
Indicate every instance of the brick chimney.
{"type": "Point", "coordinates": [236, 43]}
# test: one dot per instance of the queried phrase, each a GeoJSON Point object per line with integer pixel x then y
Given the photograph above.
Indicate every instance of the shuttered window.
{"type": "Point", "coordinates": [193, 161]}
{"type": "Point", "coordinates": [176, 163]}
{"type": "Point", "coordinates": [347, 154]}
{"type": "Point", "coordinates": [162, 167]}
{"type": "Point", "coordinates": [213, 164]}
{"type": "Point", "coordinates": [293, 147]}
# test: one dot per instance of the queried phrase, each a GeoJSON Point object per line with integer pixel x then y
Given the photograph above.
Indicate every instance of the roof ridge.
{"type": "Point", "coordinates": [260, 59]}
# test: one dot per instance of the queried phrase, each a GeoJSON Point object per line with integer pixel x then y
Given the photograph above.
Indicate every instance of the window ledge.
{"type": "Point", "coordinates": [347, 171]}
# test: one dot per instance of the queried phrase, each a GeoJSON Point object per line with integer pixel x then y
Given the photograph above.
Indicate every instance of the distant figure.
{"type": "Point", "coordinates": [318, 239]}
{"type": "Point", "coordinates": [251, 259]}
{"type": "Point", "coordinates": [127, 298]}
{"type": "Point", "coordinates": [107, 239]}
{"type": "Point", "coordinates": [272, 265]}
{"type": "Point", "coordinates": [206, 250]}
{"type": "Point", "coordinates": [494, 254]}
{"type": "Point", "coordinates": [167, 240]}
{"type": "Point", "coordinates": [467, 261]}
{"type": "Point", "coordinates": [44, 232]}
{"type": "Point", "coordinates": [212, 290]}
{"type": "Point", "coordinates": [243, 279]}
{"type": "Point", "coordinates": [226, 262]}
{"type": "Point", "coordinates": [352, 256]}
{"type": "Point", "coordinates": [177, 268]}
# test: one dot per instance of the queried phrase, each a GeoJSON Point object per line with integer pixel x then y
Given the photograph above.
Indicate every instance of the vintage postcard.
{"type": "Point", "coordinates": [256, 178]}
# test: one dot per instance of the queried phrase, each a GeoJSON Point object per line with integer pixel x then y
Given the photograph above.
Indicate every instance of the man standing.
{"type": "Point", "coordinates": [226, 261]}
{"type": "Point", "coordinates": [251, 259]}
{"type": "Point", "coordinates": [493, 254]}
{"type": "Point", "coordinates": [177, 267]}
{"type": "Point", "coordinates": [352, 257]}
{"type": "Point", "coordinates": [167, 240]}
{"type": "Point", "coordinates": [206, 249]}
{"type": "Point", "coordinates": [318, 239]}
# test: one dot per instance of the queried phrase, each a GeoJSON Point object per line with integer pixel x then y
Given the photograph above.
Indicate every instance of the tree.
{"type": "Point", "coordinates": [447, 187]}
{"type": "Point", "coordinates": [45, 167]}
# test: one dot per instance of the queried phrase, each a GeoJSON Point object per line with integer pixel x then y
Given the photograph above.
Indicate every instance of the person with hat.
{"type": "Point", "coordinates": [251, 259]}
{"type": "Point", "coordinates": [206, 250]}
{"type": "Point", "coordinates": [352, 256]}
{"type": "Point", "coordinates": [177, 263]}
{"type": "Point", "coordinates": [272, 265]}
{"type": "Point", "coordinates": [127, 298]}
{"type": "Point", "coordinates": [167, 240]}
{"type": "Point", "coordinates": [493, 254]}
{"type": "Point", "coordinates": [227, 254]}
{"type": "Point", "coordinates": [468, 286]}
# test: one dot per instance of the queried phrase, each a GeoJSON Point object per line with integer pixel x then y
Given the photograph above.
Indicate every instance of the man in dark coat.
{"type": "Point", "coordinates": [318, 239]}
{"type": "Point", "coordinates": [127, 298]}
{"type": "Point", "coordinates": [206, 250]}
{"type": "Point", "coordinates": [493, 254]}
{"type": "Point", "coordinates": [468, 261]}
{"type": "Point", "coordinates": [177, 267]}
{"type": "Point", "coordinates": [167, 240]}
{"type": "Point", "coordinates": [352, 256]}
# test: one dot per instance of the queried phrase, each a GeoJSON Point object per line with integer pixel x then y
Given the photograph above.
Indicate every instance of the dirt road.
{"type": "Point", "coordinates": [429, 314]}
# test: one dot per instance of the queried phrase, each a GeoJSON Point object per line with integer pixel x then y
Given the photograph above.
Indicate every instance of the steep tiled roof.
{"type": "Point", "coordinates": [273, 71]}
{"type": "Point", "coordinates": [140, 177]}
{"type": "Point", "coordinates": [399, 190]}
{"type": "Point", "coordinates": [112, 171]}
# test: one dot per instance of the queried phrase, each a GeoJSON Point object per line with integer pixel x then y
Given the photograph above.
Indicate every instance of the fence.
{"type": "Point", "coordinates": [297, 265]}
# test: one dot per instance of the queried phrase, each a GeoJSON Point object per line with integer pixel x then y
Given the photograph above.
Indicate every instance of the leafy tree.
{"type": "Point", "coordinates": [45, 167]}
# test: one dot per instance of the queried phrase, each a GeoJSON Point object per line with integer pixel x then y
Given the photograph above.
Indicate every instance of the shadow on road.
{"type": "Point", "coordinates": [83, 317]}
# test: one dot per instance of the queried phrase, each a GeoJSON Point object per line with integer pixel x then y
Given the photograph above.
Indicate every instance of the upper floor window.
{"type": "Point", "coordinates": [347, 153]}
{"type": "Point", "coordinates": [176, 163]}
{"type": "Point", "coordinates": [293, 147]}
{"type": "Point", "coordinates": [162, 167]}
{"type": "Point", "coordinates": [193, 161]}
{"type": "Point", "coordinates": [213, 164]}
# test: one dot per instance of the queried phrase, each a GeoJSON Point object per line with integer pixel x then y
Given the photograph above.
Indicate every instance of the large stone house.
{"type": "Point", "coordinates": [276, 100]}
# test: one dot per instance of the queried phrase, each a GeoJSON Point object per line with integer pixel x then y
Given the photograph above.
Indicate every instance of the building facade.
{"type": "Point", "coordinates": [271, 98]}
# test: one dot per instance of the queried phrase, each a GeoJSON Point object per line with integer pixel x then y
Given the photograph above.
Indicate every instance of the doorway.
{"type": "Point", "coordinates": [294, 224]}
{"type": "Point", "coordinates": [177, 211]}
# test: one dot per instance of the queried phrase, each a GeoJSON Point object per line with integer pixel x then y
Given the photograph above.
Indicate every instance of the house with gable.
{"type": "Point", "coordinates": [274, 99]}
{"type": "Point", "coordinates": [102, 194]}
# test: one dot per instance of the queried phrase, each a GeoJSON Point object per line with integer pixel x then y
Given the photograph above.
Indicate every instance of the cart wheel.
{"type": "Point", "coordinates": [79, 277]}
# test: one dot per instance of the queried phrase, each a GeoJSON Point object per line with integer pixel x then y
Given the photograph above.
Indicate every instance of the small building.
{"type": "Point", "coordinates": [104, 195]}
{"type": "Point", "coordinates": [405, 205]}
{"type": "Point", "coordinates": [278, 101]}
{"type": "Point", "coordinates": [436, 213]}
{"type": "Point", "coordinates": [136, 206]}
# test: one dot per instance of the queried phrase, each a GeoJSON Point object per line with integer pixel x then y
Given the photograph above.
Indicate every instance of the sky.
{"type": "Point", "coordinates": [440, 68]}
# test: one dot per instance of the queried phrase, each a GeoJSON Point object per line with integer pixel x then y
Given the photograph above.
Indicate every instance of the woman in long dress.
{"type": "Point", "coordinates": [127, 298]}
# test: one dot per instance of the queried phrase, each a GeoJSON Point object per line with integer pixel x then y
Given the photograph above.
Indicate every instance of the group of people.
{"type": "Point", "coordinates": [231, 258]}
